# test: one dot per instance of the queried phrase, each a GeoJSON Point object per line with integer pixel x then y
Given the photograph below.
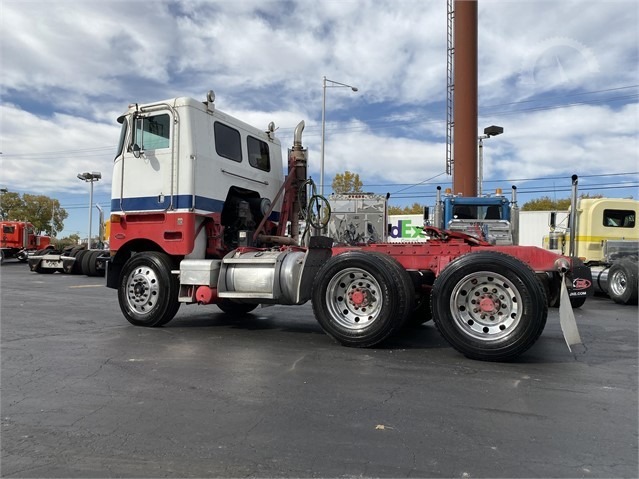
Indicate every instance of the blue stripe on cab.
{"type": "Point", "coordinates": [152, 203]}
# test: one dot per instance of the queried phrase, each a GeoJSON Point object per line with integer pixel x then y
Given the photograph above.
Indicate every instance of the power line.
{"type": "Point", "coordinates": [537, 191]}
{"type": "Point", "coordinates": [545, 178]}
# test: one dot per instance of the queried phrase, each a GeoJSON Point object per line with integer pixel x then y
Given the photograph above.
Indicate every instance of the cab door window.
{"type": "Point", "coordinates": [153, 132]}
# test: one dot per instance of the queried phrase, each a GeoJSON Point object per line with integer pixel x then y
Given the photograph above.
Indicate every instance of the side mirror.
{"type": "Point", "coordinates": [136, 150]}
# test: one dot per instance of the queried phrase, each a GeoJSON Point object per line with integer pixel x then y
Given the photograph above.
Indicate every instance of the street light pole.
{"type": "Point", "coordinates": [332, 84]}
{"type": "Point", "coordinates": [480, 164]}
{"type": "Point", "coordinates": [90, 178]}
{"type": "Point", "coordinates": [488, 132]}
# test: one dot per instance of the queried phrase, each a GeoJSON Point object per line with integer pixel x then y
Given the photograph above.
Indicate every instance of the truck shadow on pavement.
{"type": "Point", "coordinates": [421, 337]}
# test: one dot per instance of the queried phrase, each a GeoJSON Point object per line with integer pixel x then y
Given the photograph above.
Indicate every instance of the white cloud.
{"type": "Point", "coordinates": [46, 154]}
{"type": "Point", "coordinates": [70, 70]}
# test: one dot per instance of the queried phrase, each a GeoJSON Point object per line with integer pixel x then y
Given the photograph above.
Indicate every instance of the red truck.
{"type": "Point", "coordinates": [200, 214]}
{"type": "Point", "coordinates": [19, 239]}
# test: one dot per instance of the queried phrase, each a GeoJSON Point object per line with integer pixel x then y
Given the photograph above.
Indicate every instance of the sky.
{"type": "Point", "coordinates": [561, 78]}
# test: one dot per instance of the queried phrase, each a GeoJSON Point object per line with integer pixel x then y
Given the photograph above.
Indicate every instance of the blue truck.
{"type": "Point", "coordinates": [492, 218]}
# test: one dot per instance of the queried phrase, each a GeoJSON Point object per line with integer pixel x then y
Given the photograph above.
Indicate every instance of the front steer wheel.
{"type": "Point", "coordinates": [361, 298]}
{"type": "Point", "coordinates": [489, 306]}
{"type": "Point", "coordinates": [148, 292]}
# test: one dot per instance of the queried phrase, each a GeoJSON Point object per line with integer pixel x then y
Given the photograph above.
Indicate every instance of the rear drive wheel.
{"type": "Point", "coordinates": [489, 306]}
{"type": "Point", "coordinates": [93, 270]}
{"type": "Point", "coordinates": [74, 250]}
{"type": "Point", "coordinates": [622, 282]}
{"type": "Point", "coordinates": [77, 264]}
{"type": "Point", "coordinates": [360, 298]}
{"type": "Point", "coordinates": [233, 307]}
{"type": "Point", "coordinates": [84, 263]}
{"type": "Point", "coordinates": [148, 292]}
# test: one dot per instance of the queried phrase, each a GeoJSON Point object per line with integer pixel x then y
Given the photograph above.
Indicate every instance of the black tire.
{"type": "Point", "coordinates": [359, 298]}
{"type": "Point", "coordinates": [74, 251]}
{"type": "Point", "coordinates": [22, 256]}
{"type": "Point", "coordinates": [489, 306]}
{"type": "Point", "coordinates": [622, 282]}
{"type": "Point", "coordinates": [77, 264]}
{"type": "Point", "coordinates": [148, 292]}
{"type": "Point", "coordinates": [233, 307]}
{"type": "Point", "coordinates": [93, 270]}
{"type": "Point", "coordinates": [407, 285]}
{"type": "Point", "coordinates": [84, 264]}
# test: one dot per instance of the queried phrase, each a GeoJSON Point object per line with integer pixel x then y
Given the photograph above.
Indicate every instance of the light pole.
{"type": "Point", "coordinates": [90, 178]}
{"type": "Point", "coordinates": [332, 84]}
{"type": "Point", "coordinates": [488, 132]}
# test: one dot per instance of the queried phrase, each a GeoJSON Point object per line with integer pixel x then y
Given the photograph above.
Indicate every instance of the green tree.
{"type": "Point", "coordinates": [9, 203]}
{"type": "Point", "coordinates": [546, 203]}
{"type": "Point", "coordinates": [414, 209]}
{"type": "Point", "coordinates": [71, 240]}
{"type": "Point", "coordinates": [36, 209]}
{"type": "Point", "coordinates": [347, 182]}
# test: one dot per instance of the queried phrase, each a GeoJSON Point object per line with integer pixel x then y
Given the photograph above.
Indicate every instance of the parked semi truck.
{"type": "Point", "coordinates": [199, 214]}
{"type": "Point", "coordinates": [492, 218]}
{"type": "Point", "coordinates": [19, 239]}
{"type": "Point", "coordinates": [606, 240]}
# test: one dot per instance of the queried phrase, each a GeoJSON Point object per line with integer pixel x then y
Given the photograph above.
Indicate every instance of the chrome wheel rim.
{"type": "Point", "coordinates": [354, 299]}
{"type": "Point", "coordinates": [618, 283]}
{"type": "Point", "coordinates": [142, 288]}
{"type": "Point", "coordinates": [486, 306]}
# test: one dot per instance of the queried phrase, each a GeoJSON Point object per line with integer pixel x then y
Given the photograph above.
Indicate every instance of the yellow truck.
{"type": "Point", "coordinates": [606, 240]}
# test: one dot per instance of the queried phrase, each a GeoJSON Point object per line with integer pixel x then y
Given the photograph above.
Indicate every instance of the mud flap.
{"type": "Point", "coordinates": [580, 281]}
{"type": "Point", "coordinates": [567, 320]}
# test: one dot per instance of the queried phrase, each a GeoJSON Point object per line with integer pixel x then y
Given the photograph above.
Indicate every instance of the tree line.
{"type": "Point", "coordinates": [349, 182]}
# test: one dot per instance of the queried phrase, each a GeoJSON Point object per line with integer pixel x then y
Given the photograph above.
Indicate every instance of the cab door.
{"type": "Point", "coordinates": [149, 166]}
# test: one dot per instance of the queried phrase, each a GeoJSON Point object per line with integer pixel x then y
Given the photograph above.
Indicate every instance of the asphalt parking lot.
{"type": "Point", "coordinates": [85, 394]}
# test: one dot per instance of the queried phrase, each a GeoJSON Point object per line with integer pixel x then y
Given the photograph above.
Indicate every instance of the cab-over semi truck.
{"type": "Point", "coordinates": [200, 212]}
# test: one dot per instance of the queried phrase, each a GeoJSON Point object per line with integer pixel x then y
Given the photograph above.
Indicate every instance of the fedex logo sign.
{"type": "Point", "coordinates": [406, 229]}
